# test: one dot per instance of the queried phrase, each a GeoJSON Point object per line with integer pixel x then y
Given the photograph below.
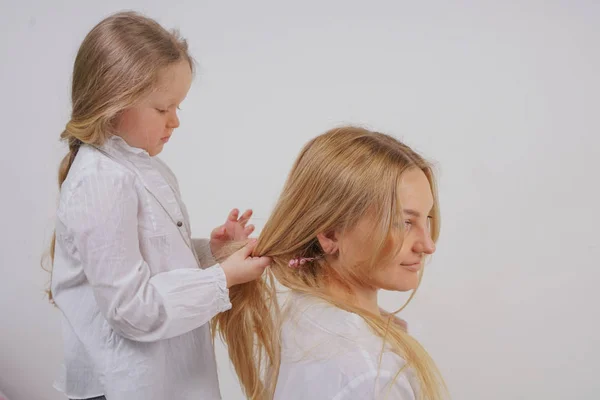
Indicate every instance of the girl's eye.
{"type": "Point", "coordinates": [161, 111]}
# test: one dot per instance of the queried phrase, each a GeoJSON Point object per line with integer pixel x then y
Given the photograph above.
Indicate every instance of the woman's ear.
{"type": "Point", "coordinates": [329, 242]}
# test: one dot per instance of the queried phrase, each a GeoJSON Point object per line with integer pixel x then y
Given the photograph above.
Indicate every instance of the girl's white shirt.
{"type": "Point", "coordinates": [135, 291]}
{"type": "Point", "coordinates": [329, 353]}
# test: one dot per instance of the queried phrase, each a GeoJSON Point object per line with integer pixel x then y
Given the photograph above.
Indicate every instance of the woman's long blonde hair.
{"type": "Point", "coordinates": [338, 178]}
{"type": "Point", "coordinates": [118, 63]}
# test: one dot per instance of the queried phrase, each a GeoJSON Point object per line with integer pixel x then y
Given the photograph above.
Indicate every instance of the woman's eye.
{"type": "Point", "coordinates": [161, 111]}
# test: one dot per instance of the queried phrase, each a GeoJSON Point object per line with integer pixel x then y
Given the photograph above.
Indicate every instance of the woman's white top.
{"type": "Point", "coordinates": [136, 292]}
{"type": "Point", "coordinates": [331, 354]}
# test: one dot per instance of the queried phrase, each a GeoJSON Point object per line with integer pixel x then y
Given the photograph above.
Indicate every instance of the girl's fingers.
{"type": "Point", "coordinates": [233, 215]}
{"type": "Point", "coordinates": [245, 217]}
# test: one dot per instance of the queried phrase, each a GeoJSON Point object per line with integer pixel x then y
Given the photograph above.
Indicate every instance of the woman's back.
{"type": "Point", "coordinates": [329, 353]}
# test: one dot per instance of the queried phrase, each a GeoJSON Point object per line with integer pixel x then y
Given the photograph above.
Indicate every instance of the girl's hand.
{"type": "Point", "coordinates": [241, 267]}
{"type": "Point", "coordinates": [234, 228]}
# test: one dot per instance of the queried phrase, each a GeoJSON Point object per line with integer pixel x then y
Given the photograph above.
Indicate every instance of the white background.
{"type": "Point", "coordinates": [503, 96]}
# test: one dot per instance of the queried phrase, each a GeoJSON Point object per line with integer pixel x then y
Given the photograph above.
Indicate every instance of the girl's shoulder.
{"type": "Point", "coordinates": [93, 175]}
{"type": "Point", "coordinates": [90, 162]}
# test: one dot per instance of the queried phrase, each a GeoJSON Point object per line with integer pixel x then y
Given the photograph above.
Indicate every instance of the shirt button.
{"type": "Point", "coordinates": [179, 224]}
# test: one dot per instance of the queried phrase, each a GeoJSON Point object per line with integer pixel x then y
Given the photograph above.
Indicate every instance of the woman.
{"type": "Point", "coordinates": [358, 213]}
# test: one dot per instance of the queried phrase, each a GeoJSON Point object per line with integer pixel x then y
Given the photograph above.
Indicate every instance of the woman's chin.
{"type": "Point", "coordinates": [401, 282]}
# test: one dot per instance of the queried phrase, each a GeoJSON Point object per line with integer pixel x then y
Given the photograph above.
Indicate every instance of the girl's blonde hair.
{"type": "Point", "coordinates": [338, 178]}
{"type": "Point", "coordinates": [118, 63]}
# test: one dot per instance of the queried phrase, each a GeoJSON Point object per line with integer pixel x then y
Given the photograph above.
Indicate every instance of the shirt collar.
{"type": "Point", "coordinates": [117, 143]}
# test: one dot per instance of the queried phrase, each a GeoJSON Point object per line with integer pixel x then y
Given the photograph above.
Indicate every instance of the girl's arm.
{"type": "Point", "coordinates": [205, 255]}
{"type": "Point", "coordinates": [102, 219]}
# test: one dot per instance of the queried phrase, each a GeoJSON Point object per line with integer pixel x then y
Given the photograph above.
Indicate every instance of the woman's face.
{"type": "Point", "coordinates": [400, 270]}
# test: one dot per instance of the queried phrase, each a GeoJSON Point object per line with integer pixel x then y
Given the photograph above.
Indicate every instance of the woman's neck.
{"type": "Point", "coordinates": [365, 298]}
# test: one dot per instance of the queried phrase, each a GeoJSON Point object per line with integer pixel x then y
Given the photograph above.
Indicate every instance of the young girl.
{"type": "Point", "coordinates": [358, 213]}
{"type": "Point", "coordinates": [135, 291]}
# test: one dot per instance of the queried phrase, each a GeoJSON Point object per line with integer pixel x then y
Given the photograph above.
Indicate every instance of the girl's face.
{"type": "Point", "coordinates": [149, 124]}
{"type": "Point", "coordinates": [400, 270]}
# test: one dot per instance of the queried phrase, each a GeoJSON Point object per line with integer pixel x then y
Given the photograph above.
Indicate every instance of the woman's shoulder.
{"type": "Point", "coordinates": [343, 362]}
{"type": "Point", "coordinates": [321, 342]}
{"type": "Point", "coordinates": [315, 328]}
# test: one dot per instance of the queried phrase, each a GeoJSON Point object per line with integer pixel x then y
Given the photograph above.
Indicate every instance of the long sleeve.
{"type": "Point", "coordinates": [205, 256]}
{"type": "Point", "coordinates": [102, 218]}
